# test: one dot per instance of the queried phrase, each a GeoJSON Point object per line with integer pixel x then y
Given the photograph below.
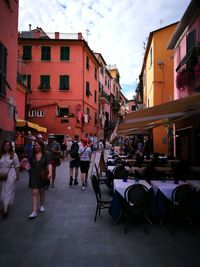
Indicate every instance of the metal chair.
{"type": "Point", "coordinates": [101, 179]}
{"type": "Point", "coordinates": [101, 203]}
{"type": "Point", "coordinates": [183, 196]}
{"type": "Point", "coordinates": [136, 197]}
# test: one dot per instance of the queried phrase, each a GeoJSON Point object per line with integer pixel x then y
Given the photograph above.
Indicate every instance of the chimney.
{"type": "Point", "coordinates": [37, 34]}
{"type": "Point", "coordinates": [57, 35]}
{"type": "Point", "coordinates": [29, 27]}
{"type": "Point", "coordinates": [80, 37]}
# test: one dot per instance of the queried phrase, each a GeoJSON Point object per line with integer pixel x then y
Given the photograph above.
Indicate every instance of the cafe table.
{"type": "Point", "coordinates": [120, 186]}
{"type": "Point", "coordinates": [194, 183]}
{"type": "Point", "coordinates": [165, 186]}
{"type": "Point", "coordinates": [118, 200]}
{"type": "Point", "coordinates": [112, 168]}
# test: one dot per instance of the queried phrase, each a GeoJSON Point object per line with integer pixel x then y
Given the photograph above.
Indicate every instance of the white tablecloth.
{"type": "Point", "coordinates": [111, 168]}
{"type": "Point", "coordinates": [121, 186]}
{"type": "Point", "coordinates": [166, 187]}
{"type": "Point", "coordinates": [195, 183]}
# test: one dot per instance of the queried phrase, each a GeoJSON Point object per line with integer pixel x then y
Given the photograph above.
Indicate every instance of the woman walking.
{"type": "Point", "coordinates": [40, 166]}
{"type": "Point", "coordinates": [9, 163]}
{"type": "Point", "coordinates": [85, 157]}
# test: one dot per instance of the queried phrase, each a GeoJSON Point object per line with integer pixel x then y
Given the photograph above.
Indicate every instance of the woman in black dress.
{"type": "Point", "coordinates": [39, 163]}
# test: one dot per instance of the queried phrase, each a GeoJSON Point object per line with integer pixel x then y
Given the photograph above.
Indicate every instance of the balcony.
{"type": "Point", "coordinates": [104, 97]}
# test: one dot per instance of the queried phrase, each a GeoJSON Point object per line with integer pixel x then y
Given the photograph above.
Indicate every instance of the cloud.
{"type": "Point", "coordinates": [117, 29]}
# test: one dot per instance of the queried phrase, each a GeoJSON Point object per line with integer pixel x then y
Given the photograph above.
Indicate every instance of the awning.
{"type": "Point", "coordinates": [27, 125]}
{"type": "Point", "coordinates": [152, 117]}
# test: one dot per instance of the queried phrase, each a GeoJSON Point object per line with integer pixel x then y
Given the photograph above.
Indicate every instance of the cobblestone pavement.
{"type": "Point", "coordinates": [66, 234]}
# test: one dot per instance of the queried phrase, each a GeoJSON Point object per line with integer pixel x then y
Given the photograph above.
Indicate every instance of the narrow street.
{"type": "Point", "coordinates": [66, 234]}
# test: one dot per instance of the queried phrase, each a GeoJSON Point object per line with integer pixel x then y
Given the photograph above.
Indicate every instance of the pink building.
{"type": "Point", "coordinates": [104, 96]}
{"type": "Point", "coordinates": [185, 42]}
{"type": "Point", "coordinates": [8, 68]}
{"type": "Point", "coordinates": [63, 82]}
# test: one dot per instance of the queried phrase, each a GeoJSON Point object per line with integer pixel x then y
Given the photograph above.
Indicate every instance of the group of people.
{"type": "Point", "coordinates": [43, 157]}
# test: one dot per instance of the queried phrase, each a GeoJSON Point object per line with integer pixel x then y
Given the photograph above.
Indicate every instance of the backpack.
{"type": "Point", "coordinates": [74, 150]}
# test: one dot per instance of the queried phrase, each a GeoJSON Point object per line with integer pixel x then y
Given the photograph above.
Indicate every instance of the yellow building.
{"type": "Point", "coordinates": [158, 79]}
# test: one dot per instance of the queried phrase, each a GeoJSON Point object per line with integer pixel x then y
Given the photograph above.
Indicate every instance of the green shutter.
{"type": "Point", "coordinates": [64, 82]}
{"type": "Point", "coordinates": [3, 67]}
{"type": "Point", "coordinates": [27, 52]}
{"type": "Point", "coordinates": [46, 53]}
{"type": "Point", "coordinates": [45, 81]}
{"type": "Point", "coordinates": [64, 53]}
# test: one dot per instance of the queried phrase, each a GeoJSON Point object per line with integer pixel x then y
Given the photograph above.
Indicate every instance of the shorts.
{"type": "Point", "coordinates": [84, 165]}
{"type": "Point", "coordinates": [75, 163]}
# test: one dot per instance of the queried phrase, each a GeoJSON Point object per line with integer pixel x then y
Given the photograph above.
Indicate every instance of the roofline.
{"type": "Point", "coordinates": [193, 8]}
{"type": "Point", "coordinates": [149, 43]}
{"type": "Point", "coordinates": [99, 54]}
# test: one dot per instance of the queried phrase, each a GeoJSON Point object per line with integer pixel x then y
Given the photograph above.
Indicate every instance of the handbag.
{"type": "Point", "coordinates": [4, 175]}
{"type": "Point", "coordinates": [44, 174]}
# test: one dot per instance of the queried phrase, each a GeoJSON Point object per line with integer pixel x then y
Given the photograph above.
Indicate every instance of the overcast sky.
{"type": "Point", "coordinates": [117, 28]}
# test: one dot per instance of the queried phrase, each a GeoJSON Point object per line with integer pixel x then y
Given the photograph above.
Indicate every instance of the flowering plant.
{"type": "Point", "coordinates": [184, 78]}
{"type": "Point", "coordinates": [197, 72]}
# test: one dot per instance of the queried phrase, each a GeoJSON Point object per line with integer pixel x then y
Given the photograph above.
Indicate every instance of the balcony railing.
{"type": "Point", "coordinates": [103, 96]}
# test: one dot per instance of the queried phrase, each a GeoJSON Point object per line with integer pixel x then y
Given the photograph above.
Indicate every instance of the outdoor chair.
{"type": "Point", "coordinates": [120, 172]}
{"type": "Point", "coordinates": [136, 197]}
{"type": "Point", "coordinates": [101, 203]}
{"type": "Point", "coordinates": [183, 197]}
{"type": "Point", "coordinates": [101, 179]}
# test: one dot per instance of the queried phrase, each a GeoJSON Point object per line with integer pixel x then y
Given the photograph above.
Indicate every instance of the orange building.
{"type": "Point", "coordinates": [8, 68]}
{"type": "Point", "coordinates": [158, 77]}
{"type": "Point", "coordinates": [63, 82]}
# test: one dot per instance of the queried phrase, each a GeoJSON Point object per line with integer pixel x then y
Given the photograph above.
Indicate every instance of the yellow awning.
{"type": "Point", "coordinates": [42, 129]}
{"type": "Point", "coordinates": [27, 124]}
{"type": "Point", "coordinates": [153, 116]}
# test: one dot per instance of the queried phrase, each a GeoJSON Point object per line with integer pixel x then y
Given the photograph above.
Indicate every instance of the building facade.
{"type": "Point", "coordinates": [185, 43]}
{"type": "Point", "coordinates": [8, 68]}
{"type": "Point", "coordinates": [63, 82]}
{"type": "Point", "coordinates": [157, 73]}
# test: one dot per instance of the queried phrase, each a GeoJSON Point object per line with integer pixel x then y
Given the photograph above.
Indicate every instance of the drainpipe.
{"type": "Point", "coordinates": [83, 86]}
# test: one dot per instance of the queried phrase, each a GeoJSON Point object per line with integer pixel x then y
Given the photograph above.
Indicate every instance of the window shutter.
{"type": "Point", "coordinates": [27, 52]}
{"type": "Point", "coordinates": [191, 40]}
{"type": "Point", "coordinates": [46, 53]}
{"type": "Point", "coordinates": [3, 66]}
{"type": "Point", "coordinates": [64, 53]}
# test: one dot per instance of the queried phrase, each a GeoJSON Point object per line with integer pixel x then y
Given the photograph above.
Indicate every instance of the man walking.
{"type": "Point", "coordinates": [75, 161]}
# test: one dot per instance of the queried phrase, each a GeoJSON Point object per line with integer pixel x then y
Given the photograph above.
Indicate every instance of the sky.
{"type": "Point", "coordinates": [117, 29]}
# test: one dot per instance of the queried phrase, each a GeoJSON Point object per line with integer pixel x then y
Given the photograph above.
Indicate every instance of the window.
{"type": "Point", "coordinates": [101, 70]}
{"type": "Point", "coordinates": [64, 82]}
{"type": "Point", "coordinates": [87, 62]}
{"type": "Point", "coordinates": [46, 53]}
{"type": "Point", "coordinates": [36, 113]}
{"type": "Point", "coordinates": [64, 53]}
{"type": "Point", "coordinates": [44, 82]}
{"type": "Point", "coordinates": [95, 73]}
{"type": "Point", "coordinates": [151, 59]}
{"type": "Point", "coordinates": [63, 112]}
{"type": "Point", "coordinates": [106, 82]}
{"type": "Point", "coordinates": [3, 64]}
{"type": "Point", "coordinates": [27, 52]}
{"type": "Point", "coordinates": [27, 80]}
{"type": "Point", "coordinates": [88, 93]}
{"type": "Point", "coordinates": [88, 111]}
{"type": "Point", "coordinates": [191, 40]}
{"type": "Point", "coordinates": [133, 108]}
{"type": "Point", "coordinates": [95, 96]}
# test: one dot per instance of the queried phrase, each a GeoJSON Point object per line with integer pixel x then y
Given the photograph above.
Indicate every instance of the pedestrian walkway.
{"type": "Point", "coordinates": [66, 234]}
